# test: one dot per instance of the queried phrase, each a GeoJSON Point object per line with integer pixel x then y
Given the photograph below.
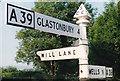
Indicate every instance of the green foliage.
{"type": "Point", "coordinates": [14, 74]}
{"type": "Point", "coordinates": [9, 69]}
{"type": "Point", "coordinates": [104, 38]}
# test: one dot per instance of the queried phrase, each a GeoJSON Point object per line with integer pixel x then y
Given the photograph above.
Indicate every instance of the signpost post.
{"type": "Point", "coordinates": [18, 16]}
{"type": "Point", "coordinates": [82, 15]}
{"type": "Point", "coordinates": [88, 71]}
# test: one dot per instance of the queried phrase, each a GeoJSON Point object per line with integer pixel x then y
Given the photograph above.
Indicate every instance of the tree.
{"type": "Point", "coordinates": [7, 72]}
{"type": "Point", "coordinates": [34, 40]}
{"type": "Point", "coordinates": [10, 72]}
{"type": "Point", "coordinates": [104, 38]}
{"type": "Point", "coordinates": [9, 69]}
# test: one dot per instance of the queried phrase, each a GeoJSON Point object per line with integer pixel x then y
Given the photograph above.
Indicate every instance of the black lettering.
{"type": "Point", "coordinates": [72, 30]}
{"type": "Point", "coordinates": [110, 72]}
{"type": "Point", "coordinates": [103, 72]}
{"type": "Point", "coordinates": [69, 53]}
{"type": "Point", "coordinates": [94, 72]}
{"type": "Point", "coordinates": [13, 15]}
{"type": "Point", "coordinates": [49, 55]}
{"type": "Point", "coordinates": [53, 24]}
{"type": "Point", "coordinates": [42, 55]}
{"type": "Point", "coordinates": [74, 52]}
{"type": "Point", "coordinates": [106, 72]}
{"type": "Point", "coordinates": [46, 54]}
{"type": "Point", "coordinates": [23, 19]}
{"type": "Point", "coordinates": [91, 71]}
{"type": "Point", "coordinates": [64, 53]}
{"type": "Point", "coordinates": [43, 23]}
{"type": "Point", "coordinates": [63, 27]}
{"type": "Point", "coordinates": [50, 24]}
{"type": "Point", "coordinates": [60, 54]}
{"type": "Point", "coordinates": [69, 29]}
{"type": "Point", "coordinates": [98, 72]}
{"type": "Point", "coordinates": [78, 31]}
{"type": "Point", "coordinates": [57, 26]}
{"type": "Point", "coordinates": [53, 54]}
{"type": "Point", "coordinates": [47, 23]}
{"type": "Point", "coordinates": [29, 18]}
{"type": "Point", "coordinates": [38, 21]}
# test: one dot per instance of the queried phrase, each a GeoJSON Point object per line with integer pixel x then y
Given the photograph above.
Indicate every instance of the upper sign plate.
{"type": "Point", "coordinates": [56, 26]}
{"type": "Point", "coordinates": [18, 16]}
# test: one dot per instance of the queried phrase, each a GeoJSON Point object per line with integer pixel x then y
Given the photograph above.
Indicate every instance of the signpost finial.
{"type": "Point", "coordinates": [82, 12]}
{"type": "Point", "coordinates": [82, 15]}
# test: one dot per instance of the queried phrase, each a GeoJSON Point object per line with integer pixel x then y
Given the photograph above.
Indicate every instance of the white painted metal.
{"type": "Point", "coordinates": [82, 15]}
{"type": "Point", "coordinates": [109, 72]}
{"type": "Point", "coordinates": [92, 71]}
{"type": "Point", "coordinates": [96, 71]}
{"type": "Point", "coordinates": [88, 71]}
{"type": "Point", "coordinates": [63, 54]}
{"type": "Point", "coordinates": [81, 12]}
{"type": "Point", "coordinates": [18, 16]}
{"type": "Point", "coordinates": [83, 71]}
{"type": "Point", "coordinates": [56, 26]}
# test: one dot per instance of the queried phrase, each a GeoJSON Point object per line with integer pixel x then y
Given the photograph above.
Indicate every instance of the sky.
{"type": "Point", "coordinates": [8, 43]}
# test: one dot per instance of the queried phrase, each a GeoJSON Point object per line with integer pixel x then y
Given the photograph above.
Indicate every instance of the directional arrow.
{"type": "Point", "coordinates": [18, 16]}
{"type": "Point", "coordinates": [63, 53]}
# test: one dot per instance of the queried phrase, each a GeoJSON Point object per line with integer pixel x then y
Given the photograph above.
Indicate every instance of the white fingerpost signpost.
{"type": "Point", "coordinates": [88, 71]}
{"type": "Point", "coordinates": [82, 15]}
{"type": "Point", "coordinates": [18, 16]}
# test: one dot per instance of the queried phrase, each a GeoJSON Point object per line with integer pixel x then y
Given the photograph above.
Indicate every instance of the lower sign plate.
{"type": "Point", "coordinates": [95, 72]}
{"type": "Point", "coordinates": [63, 53]}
